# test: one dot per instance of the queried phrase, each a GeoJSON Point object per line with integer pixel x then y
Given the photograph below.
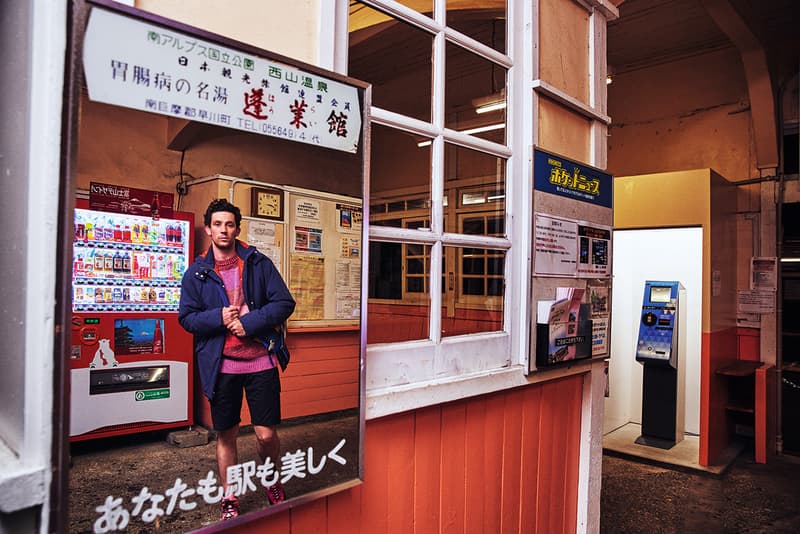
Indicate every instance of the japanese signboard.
{"type": "Point", "coordinates": [561, 176]}
{"type": "Point", "coordinates": [135, 64]}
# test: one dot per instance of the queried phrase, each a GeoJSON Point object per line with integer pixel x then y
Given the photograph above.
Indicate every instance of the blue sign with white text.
{"type": "Point", "coordinates": [561, 176]}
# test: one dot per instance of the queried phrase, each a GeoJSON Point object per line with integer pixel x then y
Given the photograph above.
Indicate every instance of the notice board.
{"type": "Point", "coordinates": [323, 249]}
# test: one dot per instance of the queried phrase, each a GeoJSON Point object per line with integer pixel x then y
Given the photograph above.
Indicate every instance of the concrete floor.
{"type": "Point", "coordinates": [637, 496]}
{"type": "Point", "coordinates": [684, 454]}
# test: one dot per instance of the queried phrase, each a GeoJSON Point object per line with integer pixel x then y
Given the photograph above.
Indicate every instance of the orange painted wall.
{"type": "Point", "coordinates": [500, 463]}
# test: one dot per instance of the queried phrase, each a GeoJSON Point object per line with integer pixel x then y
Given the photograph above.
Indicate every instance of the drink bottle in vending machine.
{"type": "Point", "coordinates": [131, 365]}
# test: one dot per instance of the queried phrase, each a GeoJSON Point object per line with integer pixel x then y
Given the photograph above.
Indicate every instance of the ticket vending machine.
{"type": "Point", "coordinates": [660, 349]}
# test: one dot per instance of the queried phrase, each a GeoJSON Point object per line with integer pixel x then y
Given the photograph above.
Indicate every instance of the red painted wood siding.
{"type": "Point", "coordinates": [717, 350]}
{"type": "Point", "coordinates": [397, 322]}
{"type": "Point", "coordinates": [500, 463]}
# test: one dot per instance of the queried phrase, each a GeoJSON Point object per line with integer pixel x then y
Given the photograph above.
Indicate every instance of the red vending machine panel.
{"type": "Point", "coordinates": [131, 364]}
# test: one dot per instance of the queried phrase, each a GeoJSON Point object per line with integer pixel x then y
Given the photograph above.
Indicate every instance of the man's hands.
{"type": "Point", "coordinates": [230, 318]}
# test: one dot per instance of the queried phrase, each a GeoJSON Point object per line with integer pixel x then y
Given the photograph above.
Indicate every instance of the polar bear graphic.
{"type": "Point", "coordinates": [104, 356]}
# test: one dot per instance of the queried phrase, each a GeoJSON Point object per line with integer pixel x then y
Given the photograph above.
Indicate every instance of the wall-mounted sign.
{"type": "Point", "coordinates": [561, 176]}
{"type": "Point", "coordinates": [131, 63]}
{"type": "Point", "coordinates": [130, 200]}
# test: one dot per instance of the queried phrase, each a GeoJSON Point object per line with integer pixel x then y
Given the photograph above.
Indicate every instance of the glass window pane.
{"type": "Point", "coordinates": [394, 57]}
{"type": "Point", "coordinates": [481, 203]}
{"type": "Point", "coordinates": [495, 265]}
{"type": "Point", "coordinates": [472, 83]}
{"type": "Point", "coordinates": [423, 6]}
{"type": "Point", "coordinates": [486, 25]}
{"type": "Point", "coordinates": [415, 266]}
{"type": "Point", "coordinates": [414, 250]}
{"type": "Point", "coordinates": [474, 226]}
{"type": "Point", "coordinates": [399, 305]}
{"type": "Point", "coordinates": [385, 270]}
{"type": "Point", "coordinates": [474, 301]}
{"type": "Point", "coordinates": [398, 164]}
{"type": "Point", "coordinates": [473, 286]}
{"type": "Point", "coordinates": [473, 265]}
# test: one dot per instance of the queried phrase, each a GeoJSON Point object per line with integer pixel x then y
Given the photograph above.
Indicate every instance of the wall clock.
{"type": "Point", "coordinates": [266, 203]}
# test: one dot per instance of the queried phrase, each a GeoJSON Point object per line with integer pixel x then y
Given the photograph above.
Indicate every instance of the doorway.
{"type": "Point", "coordinates": [652, 254]}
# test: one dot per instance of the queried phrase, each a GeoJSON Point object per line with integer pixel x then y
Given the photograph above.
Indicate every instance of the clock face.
{"type": "Point", "coordinates": [267, 204]}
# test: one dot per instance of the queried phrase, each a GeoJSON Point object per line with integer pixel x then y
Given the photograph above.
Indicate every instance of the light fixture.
{"type": "Point", "coordinates": [790, 260]}
{"type": "Point", "coordinates": [478, 129]}
{"type": "Point", "coordinates": [493, 102]}
{"type": "Point", "coordinates": [609, 79]}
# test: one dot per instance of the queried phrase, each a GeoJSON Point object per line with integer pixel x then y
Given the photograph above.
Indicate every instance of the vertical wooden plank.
{"type": "Point", "coordinates": [309, 517]}
{"type": "Point", "coordinates": [512, 455]}
{"type": "Point", "coordinates": [493, 465]}
{"type": "Point", "coordinates": [453, 458]}
{"type": "Point", "coordinates": [572, 415]}
{"type": "Point", "coordinates": [384, 438]}
{"type": "Point", "coordinates": [531, 447]}
{"type": "Point", "coordinates": [427, 469]}
{"type": "Point", "coordinates": [550, 506]}
{"type": "Point", "coordinates": [476, 458]}
{"type": "Point", "coordinates": [344, 513]}
{"type": "Point", "coordinates": [399, 441]}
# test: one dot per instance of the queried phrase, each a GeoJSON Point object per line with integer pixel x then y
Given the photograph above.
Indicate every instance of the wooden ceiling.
{"type": "Point", "coordinates": [652, 32]}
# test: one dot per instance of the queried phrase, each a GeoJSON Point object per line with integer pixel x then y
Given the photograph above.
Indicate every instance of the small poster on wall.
{"type": "Point", "coordinates": [564, 247]}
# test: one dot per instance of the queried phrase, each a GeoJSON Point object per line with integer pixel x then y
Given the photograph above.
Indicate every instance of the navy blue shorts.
{"type": "Point", "coordinates": [263, 391]}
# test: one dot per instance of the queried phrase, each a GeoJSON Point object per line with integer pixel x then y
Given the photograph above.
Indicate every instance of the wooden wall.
{"type": "Point", "coordinates": [505, 462]}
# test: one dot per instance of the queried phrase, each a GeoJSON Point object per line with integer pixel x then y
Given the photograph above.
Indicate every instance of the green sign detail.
{"type": "Point", "coordinates": [152, 394]}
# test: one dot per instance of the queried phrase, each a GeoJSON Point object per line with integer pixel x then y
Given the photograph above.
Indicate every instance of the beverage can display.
{"type": "Point", "coordinates": [127, 263]}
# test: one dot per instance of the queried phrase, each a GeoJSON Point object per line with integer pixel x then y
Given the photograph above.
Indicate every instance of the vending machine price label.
{"type": "Point", "coordinates": [91, 320]}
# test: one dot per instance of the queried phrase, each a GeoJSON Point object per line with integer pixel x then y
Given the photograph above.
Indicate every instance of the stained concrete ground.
{"type": "Point", "coordinates": [747, 498]}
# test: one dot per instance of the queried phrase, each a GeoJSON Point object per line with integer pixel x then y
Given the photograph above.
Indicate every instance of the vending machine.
{"type": "Point", "coordinates": [131, 364]}
{"type": "Point", "coordinates": [659, 349]}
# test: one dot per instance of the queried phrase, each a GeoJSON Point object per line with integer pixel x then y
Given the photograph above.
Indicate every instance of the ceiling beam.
{"type": "Point", "coordinates": [759, 83]}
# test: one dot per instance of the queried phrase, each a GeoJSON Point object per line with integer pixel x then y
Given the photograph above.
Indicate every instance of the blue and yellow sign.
{"type": "Point", "coordinates": [561, 176]}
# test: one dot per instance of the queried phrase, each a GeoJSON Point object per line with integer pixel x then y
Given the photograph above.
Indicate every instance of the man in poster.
{"type": "Point", "coordinates": [233, 299]}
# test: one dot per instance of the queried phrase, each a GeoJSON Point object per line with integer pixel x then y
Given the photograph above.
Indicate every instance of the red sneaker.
{"type": "Point", "coordinates": [275, 493]}
{"type": "Point", "coordinates": [230, 508]}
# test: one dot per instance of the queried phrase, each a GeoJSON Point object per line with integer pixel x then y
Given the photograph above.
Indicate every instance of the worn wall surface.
{"type": "Point", "coordinates": [287, 28]}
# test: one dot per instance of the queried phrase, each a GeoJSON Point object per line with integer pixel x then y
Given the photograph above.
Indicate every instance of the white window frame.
{"type": "Point", "coordinates": [409, 375]}
{"type": "Point", "coordinates": [416, 365]}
